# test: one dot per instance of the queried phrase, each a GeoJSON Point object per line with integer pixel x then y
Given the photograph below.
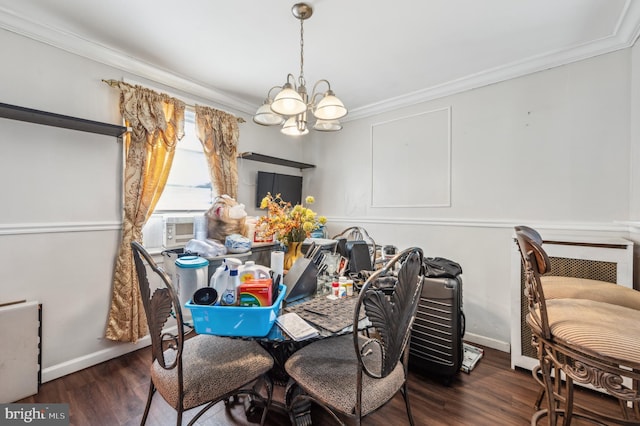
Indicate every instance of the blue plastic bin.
{"type": "Point", "coordinates": [237, 321]}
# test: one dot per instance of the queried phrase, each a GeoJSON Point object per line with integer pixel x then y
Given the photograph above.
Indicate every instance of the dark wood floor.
{"type": "Point", "coordinates": [114, 393]}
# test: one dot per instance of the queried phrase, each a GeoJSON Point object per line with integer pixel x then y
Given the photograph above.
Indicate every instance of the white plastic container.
{"type": "Point", "coordinates": [251, 271]}
{"type": "Point", "coordinates": [191, 274]}
{"type": "Point", "coordinates": [200, 227]}
{"type": "Point", "coordinates": [342, 286]}
{"type": "Point", "coordinates": [277, 264]}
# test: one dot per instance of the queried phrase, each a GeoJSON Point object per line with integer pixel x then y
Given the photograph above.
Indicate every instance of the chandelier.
{"type": "Point", "coordinates": [292, 105]}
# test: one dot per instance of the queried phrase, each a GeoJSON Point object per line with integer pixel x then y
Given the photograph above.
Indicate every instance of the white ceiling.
{"type": "Point", "coordinates": [376, 54]}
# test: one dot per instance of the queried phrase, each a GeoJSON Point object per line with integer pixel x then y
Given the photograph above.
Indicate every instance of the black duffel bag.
{"type": "Point", "coordinates": [439, 267]}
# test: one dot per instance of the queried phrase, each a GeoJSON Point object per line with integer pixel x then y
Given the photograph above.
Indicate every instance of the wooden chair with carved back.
{"type": "Point", "coordinates": [581, 335]}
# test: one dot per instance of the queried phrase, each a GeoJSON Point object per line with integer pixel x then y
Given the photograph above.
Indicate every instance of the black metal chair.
{"type": "Point", "coordinates": [357, 235]}
{"type": "Point", "coordinates": [581, 335]}
{"type": "Point", "coordinates": [356, 374]}
{"type": "Point", "coordinates": [199, 370]}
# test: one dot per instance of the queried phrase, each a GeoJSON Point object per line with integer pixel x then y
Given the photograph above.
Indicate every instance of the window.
{"type": "Point", "coordinates": [188, 186]}
{"type": "Point", "coordinates": [188, 191]}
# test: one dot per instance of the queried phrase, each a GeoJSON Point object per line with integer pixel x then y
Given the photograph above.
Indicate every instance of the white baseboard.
{"type": "Point", "coordinates": [488, 342]}
{"type": "Point", "coordinates": [89, 360]}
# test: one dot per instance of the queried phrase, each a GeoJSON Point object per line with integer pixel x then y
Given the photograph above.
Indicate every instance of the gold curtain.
{"type": "Point", "coordinates": [218, 131]}
{"type": "Point", "coordinates": [157, 123]}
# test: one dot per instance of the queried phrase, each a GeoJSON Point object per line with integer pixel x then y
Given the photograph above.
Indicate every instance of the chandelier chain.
{"type": "Point", "coordinates": [302, 50]}
{"type": "Point", "coordinates": [293, 104]}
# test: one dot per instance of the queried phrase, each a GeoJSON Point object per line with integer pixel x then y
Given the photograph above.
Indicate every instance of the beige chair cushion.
{"type": "Point", "coordinates": [212, 367]}
{"type": "Point", "coordinates": [327, 370]}
{"type": "Point", "coordinates": [555, 287]}
{"type": "Point", "coordinates": [604, 329]}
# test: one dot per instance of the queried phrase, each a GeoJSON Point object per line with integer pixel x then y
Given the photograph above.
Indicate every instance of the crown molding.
{"type": "Point", "coordinates": [73, 43]}
{"type": "Point", "coordinates": [624, 36]}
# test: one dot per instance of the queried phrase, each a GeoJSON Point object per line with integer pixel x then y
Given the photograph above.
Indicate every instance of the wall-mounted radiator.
{"type": "Point", "coordinates": [609, 259]}
{"type": "Point", "coordinates": [19, 351]}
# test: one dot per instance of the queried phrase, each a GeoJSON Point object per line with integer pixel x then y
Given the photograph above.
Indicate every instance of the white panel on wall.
{"type": "Point", "coordinates": [411, 161]}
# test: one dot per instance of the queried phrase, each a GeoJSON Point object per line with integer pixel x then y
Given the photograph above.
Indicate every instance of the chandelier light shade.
{"type": "Point", "coordinates": [327, 125]}
{"type": "Point", "coordinates": [329, 108]}
{"type": "Point", "coordinates": [292, 104]}
{"type": "Point", "coordinates": [265, 116]}
{"type": "Point", "coordinates": [288, 102]}
{"type": "Point", "coordinates": [291, 128]}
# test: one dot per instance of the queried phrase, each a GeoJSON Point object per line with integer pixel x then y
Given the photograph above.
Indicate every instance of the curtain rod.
{"type": "Point", "coordinates": [114, 83]}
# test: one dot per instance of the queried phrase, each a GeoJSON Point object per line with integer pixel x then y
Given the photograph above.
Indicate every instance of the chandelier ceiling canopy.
{"type": "Point", "coordinates": [292, 105]}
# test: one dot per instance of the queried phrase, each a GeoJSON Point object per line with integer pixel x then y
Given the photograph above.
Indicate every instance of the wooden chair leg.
{"type": "Point", "coordinates": [550, 391]}
{"type": "Point", "coordinates": [535, 372]}
{"type": "Point", "coordinates": [623, 409]}
{"type": "Point", "coordinates": [536, 405]}
{"type": "Point", "coordinates": [568, 406]}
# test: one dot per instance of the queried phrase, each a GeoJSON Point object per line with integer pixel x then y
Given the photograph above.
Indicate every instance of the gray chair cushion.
{"type": "Point", "coordinates": [327, 370]}
{"type": "Point", "coordinates": [212, 367]}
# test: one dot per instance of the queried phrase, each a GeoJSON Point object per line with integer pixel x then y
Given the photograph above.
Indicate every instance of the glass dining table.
{"type": "Point", "coordinates": [329, 315]}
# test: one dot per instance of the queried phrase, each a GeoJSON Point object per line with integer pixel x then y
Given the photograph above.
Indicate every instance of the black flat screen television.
{"type": "Point", "coordinates": [289, 187]}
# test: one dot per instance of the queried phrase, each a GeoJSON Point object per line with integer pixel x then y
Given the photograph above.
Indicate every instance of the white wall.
{"type": "Point", "coordinates": [549, 149]}
{"type": "Point", "coordinates": [634, 157]}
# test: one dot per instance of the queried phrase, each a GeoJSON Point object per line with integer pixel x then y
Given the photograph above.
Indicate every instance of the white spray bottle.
{"type": "Point", "coordinates": [219, 279]}
{"type": "Point", "coordinates": [230, 294]}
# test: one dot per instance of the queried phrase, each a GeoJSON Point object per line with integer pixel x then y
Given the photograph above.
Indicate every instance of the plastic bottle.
{"type": "Point", "coordinates": [251, 271]}
{"type": "Point", "coordinates": [219, 278]}
{"type": "Point", "coordinates": [230, 294]}
{"type": "Point", "coordinates": [348, 285]}
{"type": "Point", "coordinates": [335, 289]}
{"type": "Point", "coordinates": [342, 289]}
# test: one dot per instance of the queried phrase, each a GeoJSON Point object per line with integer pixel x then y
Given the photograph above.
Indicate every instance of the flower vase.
{"type": "Point", "coordinates": [294, 251]}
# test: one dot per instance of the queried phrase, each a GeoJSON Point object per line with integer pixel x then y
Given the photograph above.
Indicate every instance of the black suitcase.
{"type": "Point", "coordinates": [436, 336]}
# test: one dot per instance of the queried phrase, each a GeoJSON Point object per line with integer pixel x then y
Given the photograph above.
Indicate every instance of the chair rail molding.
{"type": "Point", "coordinates": [58, 227]}
{"type": "Point", "coordinates": [486, 223]}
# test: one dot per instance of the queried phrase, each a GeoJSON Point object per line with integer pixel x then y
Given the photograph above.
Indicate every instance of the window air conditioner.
{"type": "Point", "coordinates": [177, 231]}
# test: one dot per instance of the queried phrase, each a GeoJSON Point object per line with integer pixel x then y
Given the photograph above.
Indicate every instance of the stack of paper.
{"type": "Point", "coordinates": [297, 328]}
